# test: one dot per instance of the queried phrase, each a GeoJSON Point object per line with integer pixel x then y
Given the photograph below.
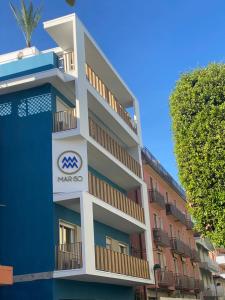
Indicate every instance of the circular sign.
{"type": "Point", "coordinates": [69, 162]}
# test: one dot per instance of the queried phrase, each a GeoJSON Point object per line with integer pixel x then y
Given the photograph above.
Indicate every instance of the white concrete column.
{"type": "Point", "coordinates": [80, 83]}
{"type": "Point", "coordinates": [148, 232]}
{"type": "Point", "coordinates": [87, 233]}
{"type": "Point", "coordinates": [138, 121]}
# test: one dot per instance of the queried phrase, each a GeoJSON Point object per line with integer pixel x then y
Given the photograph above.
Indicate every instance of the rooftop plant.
{"type": "Point", "coordinates": [27, 17]}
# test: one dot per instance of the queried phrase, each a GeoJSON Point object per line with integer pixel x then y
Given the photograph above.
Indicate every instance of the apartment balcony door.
{"type": "Point", "coordinates": [69, 250]}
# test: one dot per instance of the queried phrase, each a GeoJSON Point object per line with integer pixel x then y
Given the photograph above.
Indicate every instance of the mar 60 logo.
{"type": "Point", "coordinates": [69, 162]}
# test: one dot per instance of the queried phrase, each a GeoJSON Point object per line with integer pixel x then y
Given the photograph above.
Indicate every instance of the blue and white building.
{"type": "Point", "coordinates": [71, 173]}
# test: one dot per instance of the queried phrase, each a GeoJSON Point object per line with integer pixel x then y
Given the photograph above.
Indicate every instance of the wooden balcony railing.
{"type": "Point", "coordinates": [67, 62]}
{"type": "Point", "coordinates": [64, 120]}
{"type": "Point", "coordinates": [106, 141]}
{"type": "Point", "coordinates": [115, 262]}
{"type": "Point", "coordinates": [113, 197]}
{"type": "Point", "coordinates": [106, 94]}
{"type": "Point", "coordinates": [156, 198]}
{"type": "Point", "coordinates": [172, 210]}
{"type": "Point", "coordinates": [165, 278]}
{"type": "Point", "coordinates": [161, 237]}
{"type": "Point", "coordinates": [68, 256]}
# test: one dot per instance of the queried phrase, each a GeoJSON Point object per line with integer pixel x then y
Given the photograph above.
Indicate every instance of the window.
{"type": "Point", "coordinates": [123, 248]}
{"type": "Point", "coordinates": [175, 265]}
{"type": "Point", "coordinates": [108, 243]}
{"type": "Point", "coordinates": [61, 105]}
{"type": "Point", "coordinates": [151, 183]}
{"type": "Point", "coordinates": [184, 267]}
{"type": "Point", "coordinates": [117, 246]}
{"type": "Point", "coordinates": [68, 233]}
{"type": "Point", "coordinates": [160, 259]}
{"type": "Point", "coordinates": [171, 230]}
{"type": "Point", "coordinates": [167, 198]}
{"type": "Point", "coordinates": [155, 220]}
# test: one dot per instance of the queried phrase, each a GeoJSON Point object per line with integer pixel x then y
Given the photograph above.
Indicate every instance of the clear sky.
{"type": "Point", "coordinates": [150, 42]}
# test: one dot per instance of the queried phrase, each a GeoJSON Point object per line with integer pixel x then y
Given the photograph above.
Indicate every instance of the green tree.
{"type": "Point", "coordinates": [197, 107]}
{"type": "Point", "coordinates": [27, 18]}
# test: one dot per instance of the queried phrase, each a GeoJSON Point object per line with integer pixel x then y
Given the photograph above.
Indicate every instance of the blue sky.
{"type": "Point", "coordinates": [150, 42]}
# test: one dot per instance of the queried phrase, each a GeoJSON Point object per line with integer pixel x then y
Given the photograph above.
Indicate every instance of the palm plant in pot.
{"type": "Point", "coordinates": [27, 17]}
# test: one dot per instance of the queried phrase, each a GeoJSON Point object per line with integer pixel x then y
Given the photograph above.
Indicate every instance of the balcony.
{"type": "Point", "coordinates": [66, 62]}
{"type": "Point", "coordinates": [69, 256]}
{"type": "Point", "coordinates": [195, 256]}
{"type": "Point", "coordinates": [161, 237]}
{"type": "Point", "coordinates": [110, 261]}
{"type": "Point", "coordinates": [113, 197]}
{"type": "Point", "coordinates": [210, 294]}
{"type": "Point", "coordinates": [203, 265]}
{"type": "Point", "coordinates": [177, 246]}
{"type": "Point", "coordinates": [109, 97]}
{"type": "Point", "coordinates": [6, 275]}
{"type": "Point", "coordinates": [184, 282]}
{"type": "Point", "coordinates": [213, 266]}
{"type": "Point", "coordinates": [172, 210]}
{"type": "Point", "coordinates": [156, 198]}
{"type": "Point", "coordinates": [199, 286]}
{"type": "Point", "coordinates": [189, 224]}
{"type": "Point", "coordinates": [165, 278]}
{"type": "Point", "coordinates": [112, 146]}
{"type": "Point", "coordinates": [64, 120]}
{"type": "Point", "coordinates": [209, 265]}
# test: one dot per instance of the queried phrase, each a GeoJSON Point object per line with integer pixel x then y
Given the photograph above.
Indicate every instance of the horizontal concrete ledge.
{"type": "Point", "coordinates": [33, 277]}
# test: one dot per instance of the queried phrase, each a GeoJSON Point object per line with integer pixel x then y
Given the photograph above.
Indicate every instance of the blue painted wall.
{"type": "Point", "coordinates": [30, 65]}
{"type": "Point", "coordinates": [33, 290]}
{"type": "Point", "coordinates": [100, 230]}
{"type": "Point", "coordinates": [26, 223]}
{"type": "Point", "coordinates": [74, 290]}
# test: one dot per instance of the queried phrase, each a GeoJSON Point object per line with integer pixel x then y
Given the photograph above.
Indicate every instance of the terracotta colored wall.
{"type": "Point", "coordinates": [185, 235]}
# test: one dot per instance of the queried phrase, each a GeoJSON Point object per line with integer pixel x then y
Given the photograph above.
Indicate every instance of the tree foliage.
{"type": "Point", "coordinates": [27, 18]}
{"type": "Point", "coordinates": [197, 107]}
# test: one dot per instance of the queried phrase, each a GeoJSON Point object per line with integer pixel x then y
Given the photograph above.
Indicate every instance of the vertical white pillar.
{"type": "Point", "coordinates": [81, 84]}
{"type": "Point", "coordinates": [138, 120]}
{"type": "Point", "coordinates": [148, 232]}
{"type": "Point", "coordinates": [87, 233]}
